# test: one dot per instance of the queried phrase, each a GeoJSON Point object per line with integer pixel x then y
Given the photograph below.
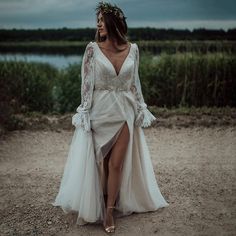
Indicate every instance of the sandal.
{"type": "Point", "coordinates": [111, 228]}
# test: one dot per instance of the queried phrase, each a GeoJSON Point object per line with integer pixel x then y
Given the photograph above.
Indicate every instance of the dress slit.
{"type": "Point", "coordinates": [109, 144]}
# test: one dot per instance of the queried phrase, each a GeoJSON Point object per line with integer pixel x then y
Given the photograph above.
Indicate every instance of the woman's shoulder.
{"type": "Point", "coordinates": [134, 45]}
{"type": "Point", "coordinates": [89, 49]}
{"type": "Point", "coordinates": [90, 44]}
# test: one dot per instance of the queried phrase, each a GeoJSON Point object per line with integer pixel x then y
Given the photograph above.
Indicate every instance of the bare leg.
{"type": "Point", "coordinates": [115, 169]}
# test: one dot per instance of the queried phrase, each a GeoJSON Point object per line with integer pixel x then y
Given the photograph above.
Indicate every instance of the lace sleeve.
{"type": "Point", "coordinates": [81, 118]}
{"type": "Point", "coordinates": [143, 116]}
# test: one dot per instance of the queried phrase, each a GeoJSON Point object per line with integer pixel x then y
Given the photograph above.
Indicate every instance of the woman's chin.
{"type": "Point", "coordinates": [102, 35]}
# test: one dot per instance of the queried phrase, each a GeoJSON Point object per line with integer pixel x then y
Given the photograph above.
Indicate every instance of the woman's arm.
{"type": "Point", "coordinates": [81, 118]}
{"type": "Point", "coordinates": [143, 116]}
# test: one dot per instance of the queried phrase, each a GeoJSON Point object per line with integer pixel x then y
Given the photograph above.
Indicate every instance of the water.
{"type": "Point", "coordinates": [59, 61]}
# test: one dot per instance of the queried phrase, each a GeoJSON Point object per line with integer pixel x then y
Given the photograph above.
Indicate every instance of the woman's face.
{"type": "Point", "coordinates": [101, 26]}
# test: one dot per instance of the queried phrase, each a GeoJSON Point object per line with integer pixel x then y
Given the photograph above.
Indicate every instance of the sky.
{"type": "Point", "coordinates": [176, 14]}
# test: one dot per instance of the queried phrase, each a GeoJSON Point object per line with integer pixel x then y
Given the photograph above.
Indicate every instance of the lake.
{"type": "Point", "coordinates": [59, 61]}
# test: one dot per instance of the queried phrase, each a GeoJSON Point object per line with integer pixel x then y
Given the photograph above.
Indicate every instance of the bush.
{"type": "Point", "coordinates": [67, 89]}
{"type": "Point", "coordinates": [25, 87]}
{"type": "Point", "coordinates": [189, 79]}
{"type": "Point", "coordinates": [180, 80]}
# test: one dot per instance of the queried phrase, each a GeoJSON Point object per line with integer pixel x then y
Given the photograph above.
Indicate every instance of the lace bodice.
{"type": "Point", "coordinates": [98, 73]}
{"type": "Point", "coordinates": [107, 77]}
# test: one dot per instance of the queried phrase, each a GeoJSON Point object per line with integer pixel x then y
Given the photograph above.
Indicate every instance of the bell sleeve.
{"type": "Point", "coordinates": [82, 118]}
{"type": "Point", "coordinates": [143, 116]}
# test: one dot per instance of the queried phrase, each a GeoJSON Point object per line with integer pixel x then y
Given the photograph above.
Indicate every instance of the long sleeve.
{"type": "Point", "coordinates": [81, 118]}
{"type": "Point", "coordinates": [143, 116]}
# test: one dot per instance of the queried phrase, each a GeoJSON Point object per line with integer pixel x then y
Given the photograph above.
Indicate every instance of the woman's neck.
{"type": "Point", "coordinates": [112, 44]}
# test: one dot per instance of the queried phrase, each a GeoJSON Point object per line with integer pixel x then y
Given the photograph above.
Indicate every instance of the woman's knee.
{"type": "Point", "coordinates": [119, 149]}
{"type": "Point", "coordinates": [115, 165]}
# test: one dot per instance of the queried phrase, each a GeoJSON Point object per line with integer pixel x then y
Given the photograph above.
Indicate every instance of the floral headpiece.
{"type": "Point", "coordinates": [105, 7]}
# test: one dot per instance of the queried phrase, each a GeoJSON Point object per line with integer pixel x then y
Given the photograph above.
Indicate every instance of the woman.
{"type": "Point", "coordinates": [109, 165]}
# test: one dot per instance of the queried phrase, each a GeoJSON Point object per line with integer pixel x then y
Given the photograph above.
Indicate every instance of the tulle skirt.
{"type": "Point", "coordinates": [82, 187]}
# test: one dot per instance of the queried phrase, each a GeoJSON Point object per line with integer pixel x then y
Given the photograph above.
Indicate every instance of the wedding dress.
{"type": "Point", "coordinates": [108, 100]}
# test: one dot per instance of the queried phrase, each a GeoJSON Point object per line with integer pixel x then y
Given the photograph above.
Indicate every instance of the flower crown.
{"type": "Point", "coordinates": [105, 7]}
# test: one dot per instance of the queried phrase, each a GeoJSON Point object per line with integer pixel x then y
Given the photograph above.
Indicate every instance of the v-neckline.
{"type": "Point", "coordinates": [117, 74]}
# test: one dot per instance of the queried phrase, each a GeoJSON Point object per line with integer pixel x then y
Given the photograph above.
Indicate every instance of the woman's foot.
{"type": "Point", "coordinates": [108, 224]}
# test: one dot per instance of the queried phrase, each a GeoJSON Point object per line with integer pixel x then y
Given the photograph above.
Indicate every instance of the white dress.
{"type": "Point", "coordinates": [108, 100]}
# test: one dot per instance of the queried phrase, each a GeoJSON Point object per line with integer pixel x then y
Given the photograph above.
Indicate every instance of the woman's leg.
{"type": "Point", "coordinates": [115, 168]}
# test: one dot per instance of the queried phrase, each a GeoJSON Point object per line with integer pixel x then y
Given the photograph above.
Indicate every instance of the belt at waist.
{"type": "Point", "coordinates": [111, 88]}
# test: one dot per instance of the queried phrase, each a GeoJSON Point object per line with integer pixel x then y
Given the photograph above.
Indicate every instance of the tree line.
{"type": "Point", "coordinates": [136, 34]}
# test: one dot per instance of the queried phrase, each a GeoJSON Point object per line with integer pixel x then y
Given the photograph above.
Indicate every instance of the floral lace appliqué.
{"type": "Point", "coordinates": [86, 74]}
{"type": "Point", "coordinates": [143, 116]}
{"type": "Point", "coordinates": [81, 118]}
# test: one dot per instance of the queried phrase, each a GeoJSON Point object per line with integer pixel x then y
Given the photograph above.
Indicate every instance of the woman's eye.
{"type": "Point", "coordinates": [100, 20]}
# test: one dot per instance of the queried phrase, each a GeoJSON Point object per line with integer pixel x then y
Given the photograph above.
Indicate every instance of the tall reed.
{"type": "Point", "coordinates": [189, 79]}
{"type": "Point", "coordinates": [179, 80]}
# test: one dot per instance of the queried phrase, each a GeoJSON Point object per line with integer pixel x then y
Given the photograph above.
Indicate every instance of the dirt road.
{"type": "Point", "coordinates": [195, 168]}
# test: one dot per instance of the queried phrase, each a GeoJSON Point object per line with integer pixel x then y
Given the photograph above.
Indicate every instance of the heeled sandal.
{"type": "Point", "coordinates": [111, 228]}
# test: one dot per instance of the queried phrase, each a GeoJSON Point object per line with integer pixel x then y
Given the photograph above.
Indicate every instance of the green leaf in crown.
{"type": "Point", "coordinates": [107, 8]}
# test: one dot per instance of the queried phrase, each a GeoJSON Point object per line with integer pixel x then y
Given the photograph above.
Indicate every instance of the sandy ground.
{"type": "Point", "coordinates": [195, 168]}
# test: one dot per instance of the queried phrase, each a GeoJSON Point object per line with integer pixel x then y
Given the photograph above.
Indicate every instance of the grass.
{"type": "Point", "coordinates": [170, 46]}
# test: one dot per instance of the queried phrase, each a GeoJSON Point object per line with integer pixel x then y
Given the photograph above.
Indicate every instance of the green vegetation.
{"type": "Point", "coordinates": [153, 46]}
{"type": "Point", "coordinates": [189, 79]}
{"type": "Point", "coordinates": [29, 86]}
{"type": "Point", "coordinates": [25, 86]}
{"type": "Point", "coordinates": [134, 34]}
{"type": "Point", "coordinates": [179, 69]}
{"type": "Point", "coordinates": [171, 81]}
